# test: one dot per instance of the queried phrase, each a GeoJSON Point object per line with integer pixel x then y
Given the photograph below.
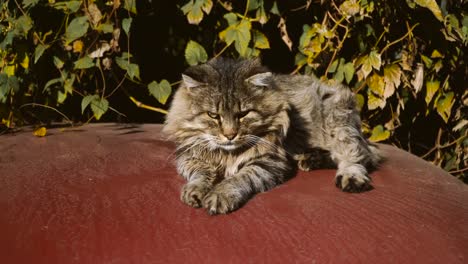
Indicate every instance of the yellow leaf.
{"type": "Point", "coordinates": [40, 132]}
{"type": "Point", "coordinates": [376, 84]}
{"type": "Point", "coordinates": [379, 134]}
{"type": "Point", "coordinates": [25, 62]}
{"type": "Point", "coordinates": [392, 77]}
{"type": "Point", "coordinates": [10, 70]}
{"type": "Point", "coordinates": [431, 88]}
{"type": "Point", "coordinates": [436, 54]}
{"type": "Point", "coordinates": [77, 46]}
{"type": "Point", "coordinates": [431, 5]}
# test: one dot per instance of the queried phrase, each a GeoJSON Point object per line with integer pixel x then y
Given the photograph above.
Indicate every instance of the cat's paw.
{"type": "Point", "coordinates": [217, 202]}
{"type": "Point", "coordinates": [353, 179]}
{"type": "Point", "coordinates": [193, 194]}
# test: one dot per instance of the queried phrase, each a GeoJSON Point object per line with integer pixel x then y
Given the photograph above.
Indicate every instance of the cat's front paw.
{"type": "Point", "coordinates": [353, 179]}
{"type": "Point", "coordinates": [219, 203]}
{"type": "Point", "coordinates": [193, 194]}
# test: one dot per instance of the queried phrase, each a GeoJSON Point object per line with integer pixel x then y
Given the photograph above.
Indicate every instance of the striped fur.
{"type": "Point", "coordinates": [241, 130]}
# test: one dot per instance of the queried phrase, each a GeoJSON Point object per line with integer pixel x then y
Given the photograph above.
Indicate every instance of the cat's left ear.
{"type": "Point", "coordinates": [261, 79]}
{"type": "Point", "coordinates": [189, 82]}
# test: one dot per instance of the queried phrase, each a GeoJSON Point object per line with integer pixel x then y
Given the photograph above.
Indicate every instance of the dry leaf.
{"type": "Point", "coordinates": [40, 132]}
{"type": "Point", "coordinates": [284, 33]}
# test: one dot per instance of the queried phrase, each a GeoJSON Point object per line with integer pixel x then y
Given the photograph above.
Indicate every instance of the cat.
{"type": "Point", "coordinates": [240, 130]}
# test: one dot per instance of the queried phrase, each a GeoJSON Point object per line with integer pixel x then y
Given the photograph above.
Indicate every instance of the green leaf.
{"type": "Point", "coordinates": [84, 63]}
{"type": "Point", "coordinates": [431, 5]}
{"type": "Point", "coordinates": [4, 89]}
{"type": "Point", "coordinates": [160, 91]}
{"type": "Point", "coordinates": [39, 51]}
{"type": "Point", "coordinates": [52, 82]}
{"type": "Point", "coordinates": [58, 63]}
{"type": "Point", "coordinates": [24, 24]}
{"type": "Point", "coordinates": [274, 9]}
{"type": "Point", "coordinates": [87, 100]}
{"type": "Point", "coordinates": [126, 24]}
{"type": "Point", "coordinates": [106, 27]}
{"type": "Point", "coordinates": [379, 134]}
{"type": "Point", "coordinates": [194, 10]}
{"type": "Point", "coordinates": [76, 29]}
{"type": "Point", "coordinates": [348, 70]}
{"type": "Point", "coordinates": [444, 106]}
{"type": "Point", "coordinates": [132, 69]}
{"type": "Point", "coordinates": [29, 3]}
{"type": "Point", "coordinates": [68, 6]}
{"type": "Point", "coordinates": [13, 83]}
{"type": "Point", "coordinates": [431, 88]}
{"type": "Point", "coordinates": [261, 15]}
{"type": "Point", "coordinates": [231, 18]}
{"type": "Point", "coordinates": [373, 60]}
{"type": "Point", "coordinates": [260, 40]}
{"type": "Point", "coordinates": [68, 84]}
{"type": "Point", "coordinates": [61, 97]}
{"type": "Point", "coordinates": [239, 34]}
{"type": "Point", "coordinates": [130, 5]}
{"type": "Point", "coordinates": [195, 53]}
{"type": "Point", "coordinates": [99, 106]}
{"type": "Point", "coordinates": [360, 101]}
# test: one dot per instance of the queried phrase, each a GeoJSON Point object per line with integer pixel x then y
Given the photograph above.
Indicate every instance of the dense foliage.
{"type": "Point", "coordinates": [405, 60]}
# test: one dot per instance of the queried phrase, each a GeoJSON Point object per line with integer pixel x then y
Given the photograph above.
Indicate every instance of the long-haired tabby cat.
{"type": "Point", "coordinates": [241, 130]}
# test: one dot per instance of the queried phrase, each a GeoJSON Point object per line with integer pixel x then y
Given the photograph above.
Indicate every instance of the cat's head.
{"type": "Point", "coordinates": [227, 104]}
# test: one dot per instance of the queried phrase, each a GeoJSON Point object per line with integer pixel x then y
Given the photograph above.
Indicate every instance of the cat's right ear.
{"type": "Point", "coordinates": [190, 83]}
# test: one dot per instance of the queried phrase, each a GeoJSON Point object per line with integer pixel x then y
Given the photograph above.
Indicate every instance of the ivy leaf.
{"type": "Point", "coordinates": [130, 5]}
{"type": "Point", "coordinates": [29, 3]}
{"type": "Point", "coordinates": [126, 24]}
{"type": "Point", "coordinates": [373, 101]}
{"type": "Point", "coordinates": [99, 106]}
{"type": "Point", "coordinates": [68, 6]}
{"type": "Point", "coordinates": [52, 82]}
{"type": "Point", "coordinates": [431, 88]}
{"type": "Point", "coordinates": [23, 24]}
{"type": "Point", "coordinates": [261, 15]}
{"type": "Point", "coordinates": [61, 97]}
{"type": "Point", "coordinates": [392, 77]}
{"type": "Point", "coordinates": [160, 91]}
{"type": "Point", "coordinates": [359, 101]}
{"type": "Point", "coordinates": [373, 60]}
{"type": "Point", "coordinates": [379, 134]}
{"type": "Point", "coordinates": [132, 69]}
{"type": "Point", "coordinates": [84, 63]}
{"type": "Point", "coordinates": [350, 7]}
{"type": "Point", "coordinates": [39, 51]}
{"type": "Point", "coordinates": [195, 53]}
{"type": "Point", "coordinates": [58, 63]}
{"type": "Point", "coordinates": [87, 100]}
{"type": "Point", "coordinates": [431, 5]}
{"type": "Point", "coordinates": [376, 84]}
{"type": "Point", "coordinates": [231, 18]}
{"type": "Point", "coordinates": [194, 10]}
{"type": "Point", "coordinates": [76, 29]}
{"type": "Point", "coordinates": [239, 34]}
{"type": "Point", "coordinates": [274, 9]}
{"type": "Point", "coordinates": [260, 40]}
{"type": "Point", "coordinates": [68, 84]}
{"type": "Point", "coordinates": [348, 70]}
{"type": "Point", "coordinates": [444, 106]}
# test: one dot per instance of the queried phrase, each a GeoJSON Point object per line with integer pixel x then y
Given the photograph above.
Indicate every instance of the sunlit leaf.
{"type": "Point", "coordinates": [444, 105]}
{"type": "Point", "coordinates": [431, 88]}
{"type": "Point", "coordinates": [376, 84]}
{"type": "Point", "coordinates": [261, 15]}
{"type": "Point", "coordinates": [95, 14]}
{"type": "Point", "coordinates": [392, 77]}
{"type": "Point", "coordinates": [260, 40]}
{"type": "Point", "coordinates": [195, 53]}
{"type": "Point", "coordinates": [77, 46]}
{"type": "Point", "coordinates": [360, 101]}
{"type": "Point", "coordinates": [436, 54]}
{"type": "Point", "coordinates": [374, 102]}
{"type": "Point", "coordinates": [84, 63]}
{"type": "Point", "coordinates": [194, 10]}
{"type": "Point", "coordinates": [431, 5]}
{"type": "Point", "coordinates": [160, 91]}
{"type": "Point", "coordinates": [238, 34]}
{"type": "Point", "coordinates": [40, 132]}
{"type": "Point", "coordinates": [61, 97]}
{"type": "Point", "coordinates": [348, 70]}
{"type": "Point", "coordinates": [350, 7]}
{"type": "Point", "coordinates": [379, 133]}
{"type": "Point", "coordinates": [68, 84]}
{"type": "Point", "coordinates": [25, 62]}
{"type": "Point", "coordinates": [77, 28]}
{"type": "Point", "coordinates": [58, 63]}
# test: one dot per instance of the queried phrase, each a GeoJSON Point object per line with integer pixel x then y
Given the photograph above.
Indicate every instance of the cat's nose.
{"type": "Point", "coordinates": [230, 135]}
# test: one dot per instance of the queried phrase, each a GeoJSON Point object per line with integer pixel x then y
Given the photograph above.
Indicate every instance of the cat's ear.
{"type": "Point", "coordinates": [261, 79]}
{"type": "Point", "coordinates": [190, 82]}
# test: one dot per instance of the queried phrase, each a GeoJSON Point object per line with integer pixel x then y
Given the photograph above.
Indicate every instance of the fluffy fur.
{"type": "Point", "coordinates": [241, 130]}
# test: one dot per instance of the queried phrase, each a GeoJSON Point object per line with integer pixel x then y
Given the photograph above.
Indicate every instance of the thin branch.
{"type": "Point", "coordinates": [49, 107]}
{"type": "Point", "coordinates": [141, 105]}
{"type": "Point", "coordinates": [458, 171]}
{"type": "Point", "coordinates": [410, 31]}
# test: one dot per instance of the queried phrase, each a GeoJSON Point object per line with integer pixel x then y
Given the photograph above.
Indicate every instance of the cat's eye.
{"type": "Point", "coordinates": [212, 115]}
{"type": "Point", "coordinates": [243, 113]}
